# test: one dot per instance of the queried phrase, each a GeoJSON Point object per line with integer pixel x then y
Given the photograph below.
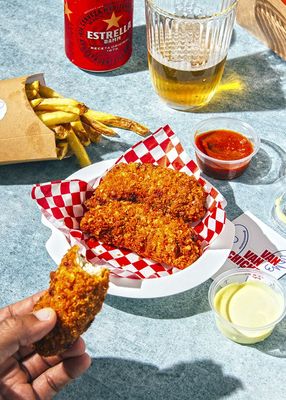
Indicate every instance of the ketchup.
{"type": "Point", "coordinates": [224, 145]}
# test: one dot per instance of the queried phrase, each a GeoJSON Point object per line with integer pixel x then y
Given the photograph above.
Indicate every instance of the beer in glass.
{"type": "Point", "coordinates": [187, 47]}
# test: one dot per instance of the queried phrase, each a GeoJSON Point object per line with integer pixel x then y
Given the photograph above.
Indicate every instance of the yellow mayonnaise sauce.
{"type": "Point", "coordinates": [250, 306]}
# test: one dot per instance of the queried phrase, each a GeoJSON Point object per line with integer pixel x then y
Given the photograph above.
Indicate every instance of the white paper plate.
{"type": "Point", "coordinates": [206, 266]}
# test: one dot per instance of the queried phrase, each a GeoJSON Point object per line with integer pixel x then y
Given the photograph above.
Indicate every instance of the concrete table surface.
{"type": "Point", "coordinates": [165, 348]}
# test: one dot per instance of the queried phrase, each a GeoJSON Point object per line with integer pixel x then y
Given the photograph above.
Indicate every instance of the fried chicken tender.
{"type": "Point", "coordinates": [148, 232]}
{"type": "Point", "coordinates": [77, 291]}
{"type": "Point", "coordinates": [164, 189]}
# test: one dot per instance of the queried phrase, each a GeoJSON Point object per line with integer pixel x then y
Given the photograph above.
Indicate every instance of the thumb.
{"type": "Point", "coordinates": [24, 330]}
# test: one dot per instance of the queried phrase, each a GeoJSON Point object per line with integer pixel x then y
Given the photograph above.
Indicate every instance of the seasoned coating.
{"type": "Point", "coordinates": [164, 189]}
{"type": "Point", "coordinates": [77, 297]}
{"type": "Point", "coordinates": [147, 232]}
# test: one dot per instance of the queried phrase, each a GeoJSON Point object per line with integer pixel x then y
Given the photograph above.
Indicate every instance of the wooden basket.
{"type": "Point", "coordinates": [266, 19]}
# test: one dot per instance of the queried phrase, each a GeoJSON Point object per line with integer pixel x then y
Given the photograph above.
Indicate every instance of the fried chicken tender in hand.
{"type": "Point", "coordinates": [77, 291]}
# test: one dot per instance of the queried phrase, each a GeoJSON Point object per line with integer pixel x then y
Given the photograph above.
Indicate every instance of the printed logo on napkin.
{"type": "Point", "coordinates": [256, 245]}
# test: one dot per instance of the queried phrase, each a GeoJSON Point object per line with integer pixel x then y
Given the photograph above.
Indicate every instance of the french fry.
{"type": "Point", "coordinates": [77, 148]}
{"type": "Point", "coordinates": [62, 149]}
{"type": "Point", "coordinates": [61, 104]}
{"type": "Point", "coordinates": [74, 125]}
{"type": "Point", "coordinates": [56, 117]}
{"type": "Point", "coordinates": [81, 132]}
{"type": "Point", "coordinates": [62, 101]}
{"type": "Point", "coordinates": [35, 102]}
{"type": "Point", "coordinates": [68, 109]}
{"type": "Point", "coordinates": [118, 122]}
{"type": "Point", "coordinates": [32, 94]}
{"type": "Point", "coordinates": [34, 85]}
{"type": "Point", "coordinates": [99, 127]}
{"type": "Point", "coordinates": [47, 92]}
{"type": "Point", "coordinates": [60, 132]}
{"type": "Point", "coordinates": [92, 133]}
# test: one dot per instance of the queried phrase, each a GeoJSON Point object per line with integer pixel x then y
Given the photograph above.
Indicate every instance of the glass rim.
{"type": "Point", "coordinates": [256, 141]}
{"type": "Point", "coordinates": [217, 15]}
{"type": "Point", "coordinates": [247, 271]}
{"type": "Point", "coordinates": [279, 194]}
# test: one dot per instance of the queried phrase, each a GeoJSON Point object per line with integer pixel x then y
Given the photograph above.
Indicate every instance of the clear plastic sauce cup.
{"type": "Point", "coordinates": [247, 304]}
{"type": "Point", "coordinates": [224, 168]}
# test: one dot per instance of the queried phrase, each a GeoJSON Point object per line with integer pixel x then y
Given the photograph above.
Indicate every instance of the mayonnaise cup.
{"type": "Point", "coordinates": [247, 304]}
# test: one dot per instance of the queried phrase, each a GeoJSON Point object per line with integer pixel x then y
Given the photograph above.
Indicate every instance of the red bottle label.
{"type": "Point", "coordinates": [98, 33]}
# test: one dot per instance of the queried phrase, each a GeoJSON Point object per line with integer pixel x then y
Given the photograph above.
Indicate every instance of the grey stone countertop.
{"type": "Point", "coordinates": [167, 348]}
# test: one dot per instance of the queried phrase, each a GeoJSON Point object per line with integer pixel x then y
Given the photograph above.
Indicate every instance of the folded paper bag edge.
{"type": "Point", "coordinates": [24, 136]}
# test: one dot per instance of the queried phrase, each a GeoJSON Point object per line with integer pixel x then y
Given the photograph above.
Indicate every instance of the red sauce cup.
{"type": "Point", "coordinates": [224, 169]}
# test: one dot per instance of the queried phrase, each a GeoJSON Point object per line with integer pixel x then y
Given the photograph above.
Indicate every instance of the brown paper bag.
{"type": "Point", "coordinates": [23, 137]}
{"type": "Point", "coordinates": [266, 19]}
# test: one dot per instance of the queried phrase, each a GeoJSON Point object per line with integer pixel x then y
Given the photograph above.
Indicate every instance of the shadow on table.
{"type": "Point", "coordinates": [44, 171]}
{"type": "Point", "coordinates": [258, 173]}
{"type": "Point", "coordinates": [249, 83]}
{"type": "Point", "coordinates": [233, 38]}
{"type": "Point", "coordinates": [232, 209]}
{"type": "Point", "coordinates": [138, 60]}
{"type": "Point", "coordinates": [275, 345]}
{"type": "Point", "coordinates": [258, 170]}
{"type": "Point", "coordinates": [114, 378]}
{"type": "Point", "coordinates": [182, 305]}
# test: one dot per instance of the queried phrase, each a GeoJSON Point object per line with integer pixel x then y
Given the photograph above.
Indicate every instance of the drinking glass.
{"type": "Point", "coordinates": [279, 207]}
{"type": "Point", "coordinates": [187, 43]}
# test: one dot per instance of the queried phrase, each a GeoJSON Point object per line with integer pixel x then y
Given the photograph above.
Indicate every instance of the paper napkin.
{"type": "Point", "coordinates": [256, 245]}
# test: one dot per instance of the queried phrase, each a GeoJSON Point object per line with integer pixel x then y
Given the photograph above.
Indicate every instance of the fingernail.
{"type": "Point", "coordinates": [44, 314]}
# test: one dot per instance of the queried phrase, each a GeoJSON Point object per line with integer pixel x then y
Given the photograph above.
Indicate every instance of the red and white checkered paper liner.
{"type": "Point", "coordinates": [62, 203]}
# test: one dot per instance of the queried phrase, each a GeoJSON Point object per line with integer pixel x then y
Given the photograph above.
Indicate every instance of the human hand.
{"type": "Point", "coordinates": [24, 374]}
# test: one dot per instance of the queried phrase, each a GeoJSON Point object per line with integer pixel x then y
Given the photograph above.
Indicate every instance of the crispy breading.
{"type": "Point", "coordinates": [148, 232]}
{"type": "Point", "coordinates": [164, 189]}
{"type": "Point", "coordinates": [76, 296]}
